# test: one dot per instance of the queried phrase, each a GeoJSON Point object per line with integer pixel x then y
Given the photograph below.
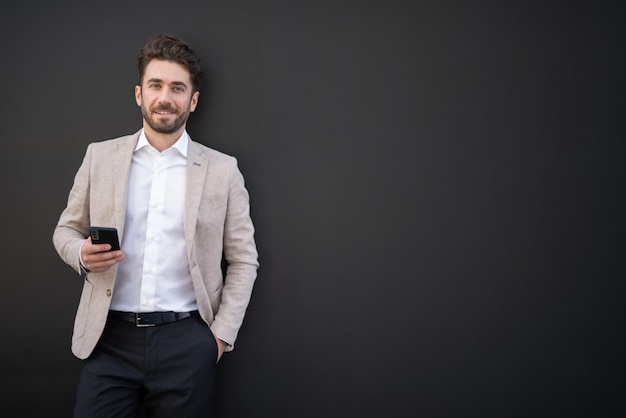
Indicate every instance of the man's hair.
{"type": "Point", "coordinates": [171, 48]}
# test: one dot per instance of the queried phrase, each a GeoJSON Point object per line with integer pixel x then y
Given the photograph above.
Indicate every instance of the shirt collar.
{"type": "Point", "coordinates": [180, 144]}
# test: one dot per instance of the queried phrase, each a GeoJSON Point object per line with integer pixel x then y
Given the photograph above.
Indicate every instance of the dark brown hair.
{"type": "Point", "coordinates": [171, 48]}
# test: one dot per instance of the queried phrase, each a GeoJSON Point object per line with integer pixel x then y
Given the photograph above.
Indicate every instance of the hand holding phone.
{"type": "Point", "coordinates": [95, 261]}
{"type": "Point", "coordinates": [104, 235]}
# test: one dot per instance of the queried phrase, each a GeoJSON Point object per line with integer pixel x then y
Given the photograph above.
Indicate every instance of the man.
{"type": "Point", "coordinates": [155, 316]}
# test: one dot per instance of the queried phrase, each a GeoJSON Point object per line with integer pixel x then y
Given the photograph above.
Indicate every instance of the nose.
{"type": "Point", "coordinates": [165, 96]}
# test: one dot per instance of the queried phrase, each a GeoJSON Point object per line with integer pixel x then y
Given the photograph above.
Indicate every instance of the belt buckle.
{"type": "Point", "coordinates": [138, 325]}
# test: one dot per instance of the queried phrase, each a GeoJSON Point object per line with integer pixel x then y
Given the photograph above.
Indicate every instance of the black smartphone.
{"type": "Point", "coordinates": [104, 235]}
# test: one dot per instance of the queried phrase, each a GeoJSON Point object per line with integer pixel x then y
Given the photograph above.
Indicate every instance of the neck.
{"type": "Point", "coordinates": [161, 141]}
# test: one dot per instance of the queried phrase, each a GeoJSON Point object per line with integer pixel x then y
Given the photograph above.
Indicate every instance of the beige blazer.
{"type": "Point", "coordinates": [216, 222]}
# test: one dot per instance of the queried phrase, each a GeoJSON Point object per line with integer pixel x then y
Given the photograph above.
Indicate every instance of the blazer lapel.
{"type": "Point", "coordinates": [123, 158]}
{"type": "Point", "coordinates": [197, 165]}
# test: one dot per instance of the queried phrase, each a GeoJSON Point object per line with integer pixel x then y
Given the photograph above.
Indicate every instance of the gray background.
{"type": "Point", "coordinates": [437, 186]}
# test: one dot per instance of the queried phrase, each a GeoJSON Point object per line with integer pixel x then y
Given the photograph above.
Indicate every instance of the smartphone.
{"type": "Point", "coordinates": [104, 235]}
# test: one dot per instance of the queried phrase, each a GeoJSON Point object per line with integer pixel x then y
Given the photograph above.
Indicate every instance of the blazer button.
{"type": "Point", "coordinates": [109, 292]}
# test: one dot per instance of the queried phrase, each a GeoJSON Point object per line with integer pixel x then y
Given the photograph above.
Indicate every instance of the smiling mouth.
{"type": "Point", "coordinates": [164, 111]}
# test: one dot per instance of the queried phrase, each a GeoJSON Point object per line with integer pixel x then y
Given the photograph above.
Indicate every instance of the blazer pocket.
{"type": "Point", "coordinates": [213, 203]}
{"type": "Point", "coordinates": [80, 323]}
{"type": "Point", "coordinates": [211, 214]}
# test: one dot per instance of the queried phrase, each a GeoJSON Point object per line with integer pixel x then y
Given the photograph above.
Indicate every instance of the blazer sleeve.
{"type": "Point", "coordinates": [240, 253]}
{"type": "Point", "coordinates": [73, 225]}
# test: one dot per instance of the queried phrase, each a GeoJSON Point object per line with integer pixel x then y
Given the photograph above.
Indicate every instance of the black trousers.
{"type": "Point", "coordinates": [162, 371]}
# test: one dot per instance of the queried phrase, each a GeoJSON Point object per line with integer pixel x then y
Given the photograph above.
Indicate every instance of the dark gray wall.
{"type": "Point", "coordinates": [438, 190]}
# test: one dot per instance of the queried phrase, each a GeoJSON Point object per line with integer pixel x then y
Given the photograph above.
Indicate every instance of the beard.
{"type": "Point", "coordinates": [163, 126]}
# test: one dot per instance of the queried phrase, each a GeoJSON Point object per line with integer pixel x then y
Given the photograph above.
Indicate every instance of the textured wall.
{"type": "Point", "coordinates": [437, 186]}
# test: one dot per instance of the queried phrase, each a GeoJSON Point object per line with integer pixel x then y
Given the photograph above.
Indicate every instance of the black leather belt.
{"type": "Point", "coordinates": [149, 319]}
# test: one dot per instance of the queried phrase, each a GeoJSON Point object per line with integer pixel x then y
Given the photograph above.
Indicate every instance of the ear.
{"type": "Point", "coordinates": [194, 101]}
{"type": "Point", "coordinates": [138, 95]}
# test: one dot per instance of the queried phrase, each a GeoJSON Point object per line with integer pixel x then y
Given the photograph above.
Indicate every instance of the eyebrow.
{"type": "Point", "coordinates": [158, 80]}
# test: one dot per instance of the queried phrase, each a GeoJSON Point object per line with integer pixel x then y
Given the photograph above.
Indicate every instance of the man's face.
{"type": "Point", "coordinates": [165, 96]}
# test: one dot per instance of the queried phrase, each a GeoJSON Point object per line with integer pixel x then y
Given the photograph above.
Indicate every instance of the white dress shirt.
{"type": "Point", "coordinates": [155, 275]}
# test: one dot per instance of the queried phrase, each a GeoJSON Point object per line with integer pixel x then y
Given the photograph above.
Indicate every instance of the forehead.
{"type": "Point", "coordinates": [166, 71]}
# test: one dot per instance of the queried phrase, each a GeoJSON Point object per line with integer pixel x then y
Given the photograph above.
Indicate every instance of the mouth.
{"type": "Point", "coordinates": [164, 112]}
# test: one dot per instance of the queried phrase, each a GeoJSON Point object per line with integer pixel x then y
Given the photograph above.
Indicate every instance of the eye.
{"type": "Point", "coordinates": [178, 89]}
{"type": "Point", "coordinates": [154, 86]}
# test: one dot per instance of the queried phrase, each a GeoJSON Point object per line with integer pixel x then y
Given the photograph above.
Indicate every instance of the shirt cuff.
{"type": "Point", "coordinates": [80, 259]}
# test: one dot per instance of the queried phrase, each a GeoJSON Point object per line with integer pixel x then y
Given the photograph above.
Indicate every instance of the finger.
{"type": "Point", "coordinates": [98, 248]}
{"type": "Point", "coordinates": [103, 260]}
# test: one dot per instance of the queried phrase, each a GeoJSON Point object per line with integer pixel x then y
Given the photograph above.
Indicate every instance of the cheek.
{"type": "Point", "coordinates": [144, 101]}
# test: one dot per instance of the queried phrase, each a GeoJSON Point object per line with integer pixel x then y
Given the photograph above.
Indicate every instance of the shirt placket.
{"type": "Point", "coordinates": [153, 227]}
